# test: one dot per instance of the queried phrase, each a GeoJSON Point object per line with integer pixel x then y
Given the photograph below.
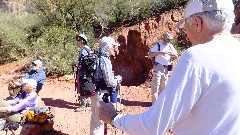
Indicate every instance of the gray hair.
{"type": "Point", "coordinates": [215, 20]}
{"type": "Point", "coordinates": [104, 48]}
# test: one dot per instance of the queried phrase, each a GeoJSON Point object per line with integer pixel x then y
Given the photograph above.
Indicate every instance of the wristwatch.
{"type": "Point", "coordinates": [112, 120]}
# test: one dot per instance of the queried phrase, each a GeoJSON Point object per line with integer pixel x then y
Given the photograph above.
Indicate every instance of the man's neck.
{"type": "Point", "coordinates": [224, 32]}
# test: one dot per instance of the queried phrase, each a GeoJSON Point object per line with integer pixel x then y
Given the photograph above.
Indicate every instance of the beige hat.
{"type": "Point", "coordinates": [197, 6]}
{"type": "Point", "coordinates": [168, 36]}
{"type": "Point", "coordinates": [107, 41]}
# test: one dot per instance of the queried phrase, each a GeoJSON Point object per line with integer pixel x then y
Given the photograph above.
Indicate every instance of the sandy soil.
{"type": "Point", "coordinates": [59, 93]}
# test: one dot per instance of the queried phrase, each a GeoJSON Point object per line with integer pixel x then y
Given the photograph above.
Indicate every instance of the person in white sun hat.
{"type": "Point", "coordinates": [202, 95]}
{"type": "Point", "coordinates": [15, 108]}
{"type": "Point", "coordinates": [105, 82]}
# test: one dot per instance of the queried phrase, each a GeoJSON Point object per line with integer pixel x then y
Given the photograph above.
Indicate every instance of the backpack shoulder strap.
{"type": "Point", "coordinates": [81, 56]}
{"type": "Point", "coordinates": [88, 51]}
{"type": "Point", "coordinates": [159, 46]}
{"type": "Point", "coordinates": [171, 47]}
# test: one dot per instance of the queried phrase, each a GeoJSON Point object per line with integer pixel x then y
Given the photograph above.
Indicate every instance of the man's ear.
{"type": "Point", "coordinates": [198, 23]}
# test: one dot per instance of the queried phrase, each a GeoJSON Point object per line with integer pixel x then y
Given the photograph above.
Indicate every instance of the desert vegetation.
{"type": "Point", "coordinates": [46, 29]}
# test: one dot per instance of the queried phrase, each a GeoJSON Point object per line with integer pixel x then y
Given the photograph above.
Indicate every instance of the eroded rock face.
{"type": "Point", "coordinates": [132, 62]}
{"type": "Point", "coordinates": [236, 26]}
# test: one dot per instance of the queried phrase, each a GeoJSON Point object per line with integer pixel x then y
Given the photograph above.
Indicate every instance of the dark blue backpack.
{"type": "Point", "coordinates": [85, 82]}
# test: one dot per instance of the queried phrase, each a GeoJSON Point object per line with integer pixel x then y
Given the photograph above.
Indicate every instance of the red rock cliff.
{"type": "Point", "coordinates": [132, 63]}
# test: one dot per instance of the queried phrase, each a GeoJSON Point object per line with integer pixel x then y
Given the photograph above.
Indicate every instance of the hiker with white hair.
{"type": "Point", "coordinates": [162, 53]}
{"type": "Point", "coordinates": [202, 95]}
{"type": "Point", "coordinates": [14, 109]}
{"type": "Point", "coordinates": [37, 73]}
{"type": "Point", "coordinates": [105, 82]}
{"type": "Point", "coordinates": [82, 41]}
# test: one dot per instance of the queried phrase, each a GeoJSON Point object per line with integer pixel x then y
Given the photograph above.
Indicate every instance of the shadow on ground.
{"type": "Point", "coordinates": [54, 133]}
{"type": "Point", "coordinates": [136, 103]}
{"type": "Point", "coordinates": [59, 103]}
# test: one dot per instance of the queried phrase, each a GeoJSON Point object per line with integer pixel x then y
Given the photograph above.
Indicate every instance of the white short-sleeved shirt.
{"type": "Point", "coordinates": [202, 96]}
{"type": "Point", "coordinates": [164, 59]}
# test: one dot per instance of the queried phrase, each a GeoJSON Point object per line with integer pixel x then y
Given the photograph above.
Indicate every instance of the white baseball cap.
{"type": "Point", "coordinates": [107, 41]}
{"type": "Point", "coordinates": [38, 62]}
{"type": "Point", "coordinates": [32, 82]}
{"type": "Point", "coordinates": [197, 6]}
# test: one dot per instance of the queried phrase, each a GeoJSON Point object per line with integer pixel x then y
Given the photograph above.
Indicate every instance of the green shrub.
{"type": "Point", "coordinates": [13, 35]}
{"type": "Point", "coordinates": [57, 48]}
{"type": "Point", "coordinates": [49, 35]}
{"type": "Point", "coordinates": [81, 14]}
{"type": "Point", "coordinates": [132, 11]}
{"type": "Point", "coordinates": [181, 42]}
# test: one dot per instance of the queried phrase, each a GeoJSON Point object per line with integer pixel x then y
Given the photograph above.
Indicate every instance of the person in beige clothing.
{"type": "Point", "coordinates": [162, 51]}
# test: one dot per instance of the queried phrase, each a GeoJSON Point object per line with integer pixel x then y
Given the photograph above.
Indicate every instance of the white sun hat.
{"type": "Point", "coordinates": [83, 36]}
{"type": "Point", "coordinates": [107, 41]}
{"type": "Point", "coordinates": [32, 82]}
{"type": "Point", "coordinates": [197, 6]}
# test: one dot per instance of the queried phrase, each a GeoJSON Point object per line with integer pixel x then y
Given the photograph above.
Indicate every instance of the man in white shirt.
{"type": "Point", "coordinates": [162, 53]}
{"type": "Point", "coordinates": [202, 95]}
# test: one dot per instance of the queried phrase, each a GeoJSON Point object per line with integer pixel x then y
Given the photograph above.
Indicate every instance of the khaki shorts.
{"type": "Point", "coordinates": [9, 116]}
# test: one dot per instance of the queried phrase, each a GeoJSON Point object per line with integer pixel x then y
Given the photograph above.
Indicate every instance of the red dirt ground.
{"type": "Point", "coordinates": [59, 93]}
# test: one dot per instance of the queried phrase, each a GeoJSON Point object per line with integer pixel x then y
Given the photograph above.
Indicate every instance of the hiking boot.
{"type": "Point", "coordinates": [8, 98]}
{"type": "Point", "coordinates": [12, 126]}
{"type": "Point", "coordinates": [81, 108]}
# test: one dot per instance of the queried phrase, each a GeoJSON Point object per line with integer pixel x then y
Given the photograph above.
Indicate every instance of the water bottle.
{"type": "Point", "coordinates": [113, 97]}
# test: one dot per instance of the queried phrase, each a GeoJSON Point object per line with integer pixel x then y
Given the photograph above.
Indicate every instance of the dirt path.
{"type": "Point", "coordinates": [61, 96]}
{"type": "Point", "coordinates": [59, 93]}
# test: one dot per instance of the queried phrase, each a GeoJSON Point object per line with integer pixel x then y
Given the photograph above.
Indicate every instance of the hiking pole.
{"type": "Point", "coordinates": [105, 128]}
{"type": "Point", "coordinates": [75, 82]}
{"type": "Point", "coordinates": [117, 99]}
{"type": "Point", "coordinates": [116, 106]}
{"type": "Point", "coordinates": [118, 90]}
{"type": "Point", "coordinates": [120, 99]}
{"type": "Point", "coordinates": [74, 75]}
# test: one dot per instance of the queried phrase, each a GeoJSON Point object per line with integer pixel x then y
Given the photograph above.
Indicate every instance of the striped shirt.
{"type": "Point", "coordinates": [104, 70]}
